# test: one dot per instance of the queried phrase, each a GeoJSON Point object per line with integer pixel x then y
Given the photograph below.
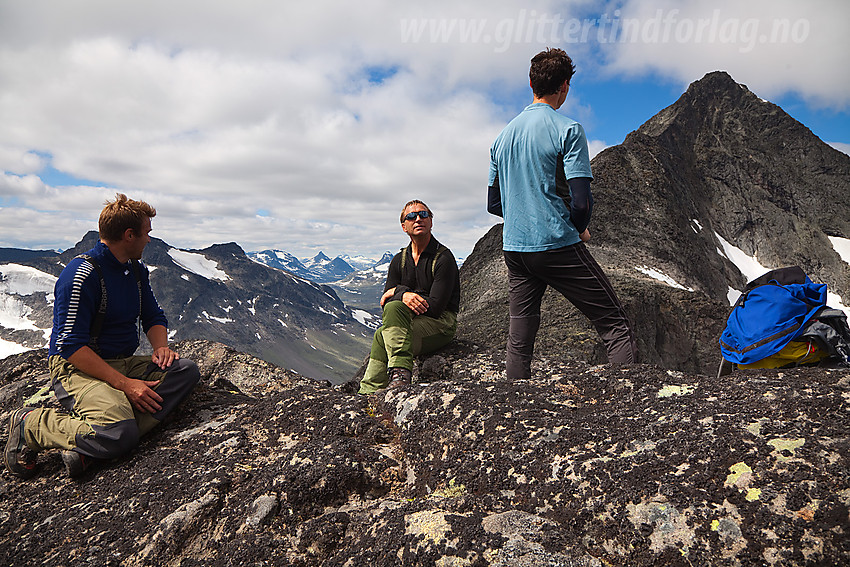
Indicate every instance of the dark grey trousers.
{"type": "Point", "coordinates": [574, 273]}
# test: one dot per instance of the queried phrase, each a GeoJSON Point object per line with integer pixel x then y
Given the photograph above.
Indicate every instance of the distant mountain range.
{"type": "Point", "coordinates": [358, 280]}
{"type": "Point", "coordinates": [363, 288]}
{"type": "Point", "coordinates": [319, 268]}
{"type": "Point", "coordinates": [217, 293]}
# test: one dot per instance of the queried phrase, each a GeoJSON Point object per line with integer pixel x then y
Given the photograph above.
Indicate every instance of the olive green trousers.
{"type": "Point", "coordinates": [401, 337]}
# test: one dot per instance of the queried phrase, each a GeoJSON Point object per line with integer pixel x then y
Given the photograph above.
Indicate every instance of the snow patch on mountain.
{"type": "Point", "coordinates": [358, 262]}
{"type": "Point", "coordinates": [749, 267]}
{"type": "Point", "coordinates": [24, 280]}
{"type": "Point", "coordinates": [216, 319]}
{"type": "Point", "coordinates": [198, 264]}
{"type": "Point", "coordinates": [319, 307]}
{"type": "Point", "coordinates": [841, 246]}
{"type": "Point", "coordinates": [8, 348]}
{"type": "Point", "coordinates": [365, 318]}
{"type": "Point", "coordinates": [17, 281]}
{"type": "Point", "coordinates": [662, 277]}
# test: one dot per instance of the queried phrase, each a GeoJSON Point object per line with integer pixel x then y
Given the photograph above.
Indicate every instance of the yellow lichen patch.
{"type": "Point", "coordinates": [682, 469]}
{"type": "Point", "coordinates": [714, 525]}
{"type": "Point", "coordinates": [450, 491]}
{"type": "Point", "coordinates": [450, 561]}
{"type": "Point", "coordinates": [670, 390]}
{"type": "Point", "coordinates": [844, 496]}
{"type": "Point", "coordinates": [781, 446]}
{"type": "Point", "coordinates": [753, 494]}
{"type": "Point", "coordinates": [638, 447]}
{"type": "Point", "coordinates": [755, 427]}
{"type": "Point", "coordinates": [740, 475]}
{"type": "Point", "coordinates": [432, 525]}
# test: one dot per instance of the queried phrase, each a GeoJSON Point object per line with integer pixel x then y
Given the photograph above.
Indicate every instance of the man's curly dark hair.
{"type": "Point", "coordinates": [549, 70]}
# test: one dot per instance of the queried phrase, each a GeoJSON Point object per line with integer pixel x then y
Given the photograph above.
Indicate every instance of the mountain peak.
{"type": "Point", "coordinates": [708, 194]}
{"type": "Point", "coordinates": [705, 106]}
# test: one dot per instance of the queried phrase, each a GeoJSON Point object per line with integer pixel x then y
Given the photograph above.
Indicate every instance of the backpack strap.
{"type": "Point", "coordinates": [134, 264]}
{"type": "Point", "coordinates": [404, 256]}
{"type": "Point", "coordinates": [440, 250]}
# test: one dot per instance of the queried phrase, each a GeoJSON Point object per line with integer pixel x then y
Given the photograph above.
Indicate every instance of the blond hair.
{"type": "Point", "coordinates": [119, 215]}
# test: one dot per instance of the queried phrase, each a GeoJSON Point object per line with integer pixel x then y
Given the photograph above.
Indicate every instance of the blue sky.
{"type": "Point", "coordinates": [305, 128]}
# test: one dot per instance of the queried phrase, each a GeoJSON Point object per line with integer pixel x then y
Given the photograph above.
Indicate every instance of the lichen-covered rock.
{"type": "Point", "coordinates": [580, 465]}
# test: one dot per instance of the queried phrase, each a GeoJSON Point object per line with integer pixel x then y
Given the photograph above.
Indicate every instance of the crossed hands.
{"type": "Point", "coordinates": [140, 392]}
{"type": "Point", "coordinates": [414, 301]}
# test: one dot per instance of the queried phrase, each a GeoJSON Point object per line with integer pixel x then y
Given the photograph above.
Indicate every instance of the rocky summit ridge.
{"type": "Point", "coordinates": [581, 466]}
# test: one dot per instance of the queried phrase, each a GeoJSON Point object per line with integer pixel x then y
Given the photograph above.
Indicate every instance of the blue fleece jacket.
{"type": "Point", "coordinates": [77, 299]}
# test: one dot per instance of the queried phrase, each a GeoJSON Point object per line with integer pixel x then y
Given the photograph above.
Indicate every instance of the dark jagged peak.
{"type": "Point", "coordinates": [228, 248]}
{"type": "Point", "coordinates": [716, 112]}
{"type": "Point", "coordinates": [723, 159]}
{"type": "Point", "coordinates": [686, 208]}
{"type": "Point", "coordinates": [716, 91]}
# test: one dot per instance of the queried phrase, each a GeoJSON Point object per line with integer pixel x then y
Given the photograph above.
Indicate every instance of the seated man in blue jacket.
{"type": "Point", "coordinates": [102, 299]}
{"type": "Point", "coordinates": [421, 299]}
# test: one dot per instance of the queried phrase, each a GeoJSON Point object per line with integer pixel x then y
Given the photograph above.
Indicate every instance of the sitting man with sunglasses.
{"type": "Point", "coordinates": [421, 299]}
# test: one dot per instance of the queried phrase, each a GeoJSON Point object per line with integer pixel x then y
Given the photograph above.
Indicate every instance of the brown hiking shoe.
{"type": "Point", "coordinates": [399, 377]}
{"type": "Point", "coordinates": [19, 458]}
{"type": "Point", "coordinates": [75, 463]}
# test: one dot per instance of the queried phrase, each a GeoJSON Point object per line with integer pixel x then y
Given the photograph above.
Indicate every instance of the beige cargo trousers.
{"type": "Point", "coordinates": [100, 421]}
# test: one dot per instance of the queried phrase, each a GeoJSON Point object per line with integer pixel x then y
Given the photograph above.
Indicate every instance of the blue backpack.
{"type": "Point", "coordinates": [773, 310]}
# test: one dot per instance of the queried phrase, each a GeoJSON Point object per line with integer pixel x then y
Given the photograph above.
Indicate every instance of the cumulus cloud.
{"type": "Point", "coordinates": [841, 147]}
{"type": "Point", "coordinates": [774, 46]}
{"type": "Point", "coordinates": [326, 118]}
{"type": "Point", "coordinates": [303, 127]}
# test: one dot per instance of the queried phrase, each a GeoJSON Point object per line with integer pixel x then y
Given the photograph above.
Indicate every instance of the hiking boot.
{"type": "Point", "coordinates": [399, 377]}
{"type": "Point", "coordinates": [75, 463]}
{"type": "Point", "coordinates": [19, 458]}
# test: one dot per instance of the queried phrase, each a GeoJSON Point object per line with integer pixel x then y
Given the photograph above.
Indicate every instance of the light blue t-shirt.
{"type": "Point", "coordinates": [531, 161]}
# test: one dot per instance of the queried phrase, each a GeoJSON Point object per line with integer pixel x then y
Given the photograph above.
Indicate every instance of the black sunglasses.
{"type": "Point", "coordinates": [414, 214]}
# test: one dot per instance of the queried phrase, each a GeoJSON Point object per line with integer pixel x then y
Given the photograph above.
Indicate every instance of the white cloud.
{"type": "Point", "coordinates": [772, 46]}
{"type": "Point", "coordinates": [280, 127]}
{"type": "Point", "coordinates": [841, 147]}
{"type": "Point", "coordinates": [211, 131]}
{"type": "Point", "coordinates": [596, 146]}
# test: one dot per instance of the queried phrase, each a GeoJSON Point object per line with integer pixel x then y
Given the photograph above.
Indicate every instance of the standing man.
{"type": "Point", "coordinates": [421, 299]}
{"type": "Point", "coordinates": [102, 300]}
{"type": "Point", "coordinates": [540, 183]}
